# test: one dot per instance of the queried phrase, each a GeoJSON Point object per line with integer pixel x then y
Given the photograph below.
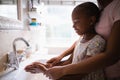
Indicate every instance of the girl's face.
{"type": "Point", "coordinates": [81, 23]}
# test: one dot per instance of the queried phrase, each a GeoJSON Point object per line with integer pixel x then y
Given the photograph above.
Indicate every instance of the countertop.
{"type": "Point", "coordinates": [12, 74]}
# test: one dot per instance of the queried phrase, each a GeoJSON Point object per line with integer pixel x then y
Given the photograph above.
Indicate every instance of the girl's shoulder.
{"type": "Point", "coordinates": [96, 45]}
{"type": "Point", "coordinates": [97, 40]}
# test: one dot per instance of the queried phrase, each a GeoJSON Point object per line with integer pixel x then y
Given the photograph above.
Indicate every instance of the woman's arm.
{"type": "Point", "coordinates": [110, 56]}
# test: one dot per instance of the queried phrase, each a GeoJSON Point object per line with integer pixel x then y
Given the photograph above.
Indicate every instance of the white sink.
{"type": "Point", "coordinates": [7, 71]}
{"type": "Point", "coordinates": [20, 74]}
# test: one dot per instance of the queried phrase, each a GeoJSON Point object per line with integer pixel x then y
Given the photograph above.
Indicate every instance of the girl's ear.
{"type": "Point", "coordinates": [93, 20]}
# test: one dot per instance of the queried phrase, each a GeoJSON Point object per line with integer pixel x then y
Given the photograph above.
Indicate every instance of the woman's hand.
{"type": "Point", "coordinates": [57, 73]}
{"type": "Point", "coordinates": [54, 72]}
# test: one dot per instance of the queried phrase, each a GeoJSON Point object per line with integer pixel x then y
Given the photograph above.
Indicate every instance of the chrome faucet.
{"type": "Point", "coordinates": [17, 39]}
{"type": "Point", "coordinates": [16, 62]}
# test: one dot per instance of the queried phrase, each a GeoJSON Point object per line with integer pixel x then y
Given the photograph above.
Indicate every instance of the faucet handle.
{"type": "Point", "coordinates": [8, 65]}
{"type": "Point", "coordinates": [12, 60]}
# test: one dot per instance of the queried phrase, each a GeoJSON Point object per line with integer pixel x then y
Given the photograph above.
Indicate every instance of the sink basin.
{"type": "Point", "coordinates": [12, 74]}
{"type": "Point", "coordinates": [7, 71]}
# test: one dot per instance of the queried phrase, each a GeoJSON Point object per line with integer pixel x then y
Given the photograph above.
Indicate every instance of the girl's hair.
{"type": "Point", "coordinates": [88, 8]}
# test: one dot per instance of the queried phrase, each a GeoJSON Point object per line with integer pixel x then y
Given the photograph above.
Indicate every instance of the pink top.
{"type": "Point", "coordinates": [110, 14]}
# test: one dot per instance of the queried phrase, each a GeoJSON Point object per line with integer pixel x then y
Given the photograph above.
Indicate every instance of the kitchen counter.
{"type": "Point", "coordinates": [21, 74]}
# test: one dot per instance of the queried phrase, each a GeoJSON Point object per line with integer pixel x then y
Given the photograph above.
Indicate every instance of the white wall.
{"type": "Point", "coordinates": [6, 42]}
{"type": "Point", "coordinates": [36, 38]}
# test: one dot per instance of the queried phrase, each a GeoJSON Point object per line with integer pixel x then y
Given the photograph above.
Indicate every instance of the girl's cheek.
{"type": "Point", "coordinates": [78, 27]}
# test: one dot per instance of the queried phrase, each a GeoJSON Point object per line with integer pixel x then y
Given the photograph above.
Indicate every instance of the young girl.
{"type": "Point", "coordinates": [84, 17]}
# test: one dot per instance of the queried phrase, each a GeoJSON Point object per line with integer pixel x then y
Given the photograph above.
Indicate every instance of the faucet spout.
{"type": "Point", "coordinates": [15, 51]}
{"type": "Point", "coordinates": [18, 39]}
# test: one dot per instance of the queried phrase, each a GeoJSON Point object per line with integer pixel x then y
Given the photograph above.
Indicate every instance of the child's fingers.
{"type": "Point", "coordinates": [28, 67]}
{"type": "Point", "coordinates": [51, 60]}
{"type": "Point", "coordinates": [36, 67]}
{"type": "Point", "coordinates": [49, 65]}
{"type": "Point", "coordinates": [42, 67]}
{"type": "Point", "coordinates": [33, 70]}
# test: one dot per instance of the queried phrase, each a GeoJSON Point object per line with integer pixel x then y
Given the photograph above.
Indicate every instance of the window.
{"type": "Point", "coordinates": [58, 24]}
{"type": "Point", "coordinates": [11, 12]}
{"type": "Point", "coordinates": [59, 31]}
{"type": "Point", "coordinates": [8, 8]}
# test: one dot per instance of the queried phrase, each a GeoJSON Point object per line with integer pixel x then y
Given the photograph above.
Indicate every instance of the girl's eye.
{"type": "Point", "coordinates": [76, 21]}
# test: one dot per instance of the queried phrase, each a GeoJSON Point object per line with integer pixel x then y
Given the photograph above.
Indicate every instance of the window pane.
{"type": "Point", "coordinates": [11, 12]}
{"type": "Point", "coordinates": [8, 8]}
{"type": "Point", "coordinates": [58, 23]}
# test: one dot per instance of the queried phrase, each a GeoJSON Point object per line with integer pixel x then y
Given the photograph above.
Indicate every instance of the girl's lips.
{"type": "Point", "coordinates": [76, 30]}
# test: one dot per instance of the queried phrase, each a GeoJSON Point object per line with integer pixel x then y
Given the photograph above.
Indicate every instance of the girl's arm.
{"type": "Point", "coordinates": [55, 60]}
{"type": "Point", "coordinates": [65, 62]}
{"type": "Point", "coordinates": [68, 51]}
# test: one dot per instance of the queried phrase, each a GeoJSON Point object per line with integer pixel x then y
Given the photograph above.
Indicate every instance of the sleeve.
{"type": "Point", "coordinates": [95, 47]}
{"type": "Point", "coordinates": [116, 11]}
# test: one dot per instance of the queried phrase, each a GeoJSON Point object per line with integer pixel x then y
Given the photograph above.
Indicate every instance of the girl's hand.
{"type": "Point", "coordinates": [36, 67]}
{"type": "Point", "coordinates": [53, 61]}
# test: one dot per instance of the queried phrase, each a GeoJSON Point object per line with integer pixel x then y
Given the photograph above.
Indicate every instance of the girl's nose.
{"type": "Point", "coordinates": [73, 25]}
